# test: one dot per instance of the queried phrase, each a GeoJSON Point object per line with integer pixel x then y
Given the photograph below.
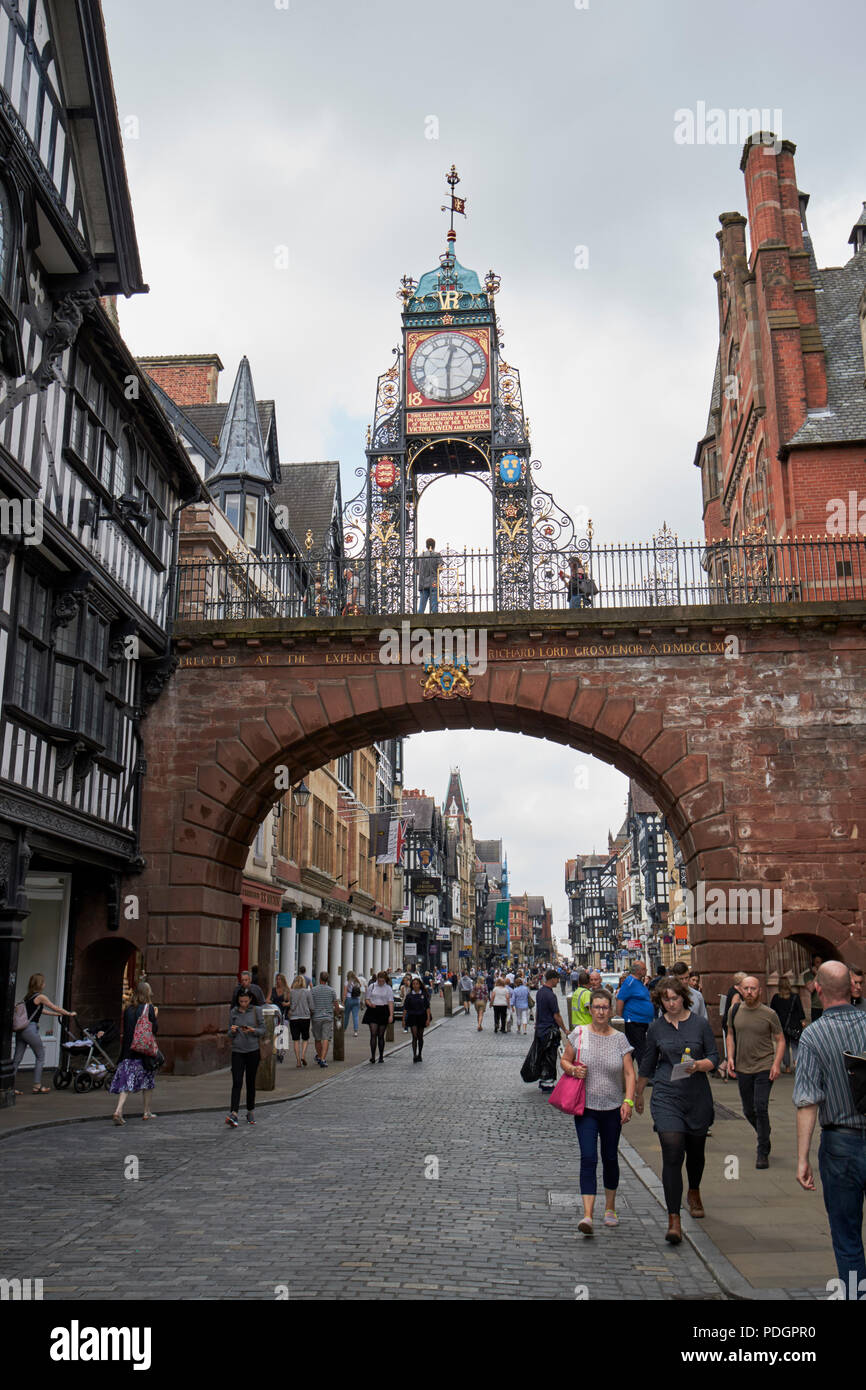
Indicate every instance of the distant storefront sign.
{"type": "Point", "coordinates": [425, 887]}
{"type": "Point", "coordinates": [411, 948]}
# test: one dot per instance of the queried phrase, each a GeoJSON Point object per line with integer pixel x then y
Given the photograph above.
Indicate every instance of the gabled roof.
{"type": "Point", "coordinates": [183, 424]}
{"type": "Point", "coordinates": [241, 446]}
{"type": "Point", "coordinates": [843, 418]}
{"type": "Point", "coordinates": [639, 802]}
{"type": "Point", "coordinates": [79, 52]}
{"type": "Point", "coordinates": [311, 494]}
{"type": "Point", "coordinates": [489, 851]}
{"type": "Point", "coordinates": [535, 906]}
{"type": "Point", "coordinates": [422, 808]}
{"type": "Point", "coordinates": [455, 793]}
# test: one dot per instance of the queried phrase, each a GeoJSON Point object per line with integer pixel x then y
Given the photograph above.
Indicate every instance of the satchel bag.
{"type": "Point", "coordinates": [143, 1040]}
{"type": "Point", "coordinates": [19, 1017]}
{"type": "Point", "coordinates": [569, 1093]}
{"type": "Point", "coordinates": [153, 1063]}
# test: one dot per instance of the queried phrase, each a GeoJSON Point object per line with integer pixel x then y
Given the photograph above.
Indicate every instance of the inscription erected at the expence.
{"type": "Point", "coordinates": [540, 651]}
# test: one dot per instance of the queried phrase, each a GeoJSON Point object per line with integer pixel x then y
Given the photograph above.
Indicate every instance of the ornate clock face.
{"type": "Point", "coordinates": [448, 367]}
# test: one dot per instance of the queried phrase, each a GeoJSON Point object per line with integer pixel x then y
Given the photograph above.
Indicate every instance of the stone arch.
{"type": "Point", "coordinates": [714, 742]}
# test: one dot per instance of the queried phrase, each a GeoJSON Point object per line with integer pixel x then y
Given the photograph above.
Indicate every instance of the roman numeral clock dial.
{"type": "Point", "coordinates": [448, 367]}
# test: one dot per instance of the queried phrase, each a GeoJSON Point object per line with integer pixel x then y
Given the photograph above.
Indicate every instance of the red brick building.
{"type": "Point", "coordinates": [784, 452]}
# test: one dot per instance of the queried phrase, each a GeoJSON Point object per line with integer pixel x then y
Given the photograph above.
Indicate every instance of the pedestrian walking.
{"type": "Point", "coordinates": [522, 1003]}
{"type": "Point", "coordinates": [405, 987]}
{"type": "Point", "coordinates": [732, 997]}
{"type": "Point", "coordinates": [280, 995]}
{"type": "Point", "coordinates": [466, 986]}
{"type": "Point", "coordinates": [635, 1007]}
{"type": "Point", "coordinates": [823, 1093]}
{"type": "Point", "coordinates": [135, 1070]}
{"type": "Point", "coordinates": [500, 999]}
{"type": "Point", "coordinates": [246, 983]}
{"type": "Point", "coordinates": [547, 1020]}
{"type": "Point", "coordinates": [324, 1006]}
{"type": "Point", "coordinates": [246, 1030]}
{"type": "Point", "coordinates": [300, 1012]}
{"type": "Point", "coordinates": [351, 1001]}
{"type": "Point", "coordinates": [809, 980]}
{"type": "Point", "coordinates": [595, 979]}
{"type": "Point", "coordinates": [756, 1043]}
{"type": "Point", "coordinates": [682, 1102]}
{"type": "Point", "coordinates": [681, 971]}
{"type": "Point", "coordinates": [25, 1025]}
{"type": "Point", "coordinates": [789, 1011]}
{"type": "Point", "coordinates": [563, 981]}
{"type": "Point", "coordinates": [416, 1010]}
{"type": "Point", "coordinates": [601, 1056]}
{"type": "Point", "coordinates": [579, 1010]}
{"type": "Point", "coordinates": [379, 1013]}
{"type": "Point", "coordinates": [479, 998]}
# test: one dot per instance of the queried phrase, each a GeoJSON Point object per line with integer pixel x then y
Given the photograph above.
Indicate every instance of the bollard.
{"type": "Point", "coordinates": [446, 999]}
{"type": "Point", "coordinates": [338, 1052]}
{"type": "Point", "coordinates": [266, 1073]}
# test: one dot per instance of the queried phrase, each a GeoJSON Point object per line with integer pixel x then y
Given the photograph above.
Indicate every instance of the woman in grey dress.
{"type": "Point", "coordinates": [682, 1109]}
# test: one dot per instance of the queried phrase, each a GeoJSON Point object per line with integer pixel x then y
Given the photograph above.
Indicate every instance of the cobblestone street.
{"type": "Point", "coordinates": [328, 1195]}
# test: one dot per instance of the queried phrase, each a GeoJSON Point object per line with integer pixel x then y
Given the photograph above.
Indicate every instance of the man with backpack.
{"type": "Point", "coordinates": [823, 1091]}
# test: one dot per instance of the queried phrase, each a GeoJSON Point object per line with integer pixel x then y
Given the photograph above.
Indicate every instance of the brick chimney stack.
{"type": "Point", "coordinates": [190, 380]}
{"type": "Point", "coordinates": [780, 263]}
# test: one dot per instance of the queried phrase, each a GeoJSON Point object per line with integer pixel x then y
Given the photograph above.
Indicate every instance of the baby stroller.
{"type": "Point", "coordinates": [91, 1071]}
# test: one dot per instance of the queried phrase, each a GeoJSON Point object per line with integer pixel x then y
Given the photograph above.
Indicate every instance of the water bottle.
{"type": "Point", "coordinates": [686, 1057]}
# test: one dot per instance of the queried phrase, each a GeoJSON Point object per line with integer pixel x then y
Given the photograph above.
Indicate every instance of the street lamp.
{"type": "Point", "coordinates": [301, 794]}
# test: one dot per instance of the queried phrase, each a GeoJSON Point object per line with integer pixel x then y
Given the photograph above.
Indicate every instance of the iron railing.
{"type": "Point", "coordinates": [626, 576]}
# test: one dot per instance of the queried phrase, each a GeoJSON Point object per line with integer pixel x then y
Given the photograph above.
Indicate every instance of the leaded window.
{"type": "Point", "coordinates": [7, 240]}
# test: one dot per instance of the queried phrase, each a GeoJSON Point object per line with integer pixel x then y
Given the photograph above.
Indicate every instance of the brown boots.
{"type": "Point", "coordinates": [694, 1203]}
{"type": "Point", "coordinates": [675, 1231]}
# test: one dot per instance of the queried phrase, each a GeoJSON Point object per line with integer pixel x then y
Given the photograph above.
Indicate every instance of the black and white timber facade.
{"type": "Point", "coordinates": [91, 481]}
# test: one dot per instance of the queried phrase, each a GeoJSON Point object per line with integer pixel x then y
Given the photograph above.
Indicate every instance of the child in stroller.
{"type": "Point", "coordinates": [93, 1071]}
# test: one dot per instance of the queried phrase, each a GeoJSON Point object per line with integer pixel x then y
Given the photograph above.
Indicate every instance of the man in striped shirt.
{"type": "Point", "coordinates": [822, 1091]}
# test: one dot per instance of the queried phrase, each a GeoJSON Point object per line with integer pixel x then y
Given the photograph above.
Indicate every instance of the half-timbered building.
{"type": "Point", "coordinates": [91, 482]}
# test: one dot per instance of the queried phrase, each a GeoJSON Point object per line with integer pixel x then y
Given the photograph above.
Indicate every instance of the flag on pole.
{"type": "Point", "coordinates": [391, 851]}
{"type": "Point", "coordinates": [458, 204]}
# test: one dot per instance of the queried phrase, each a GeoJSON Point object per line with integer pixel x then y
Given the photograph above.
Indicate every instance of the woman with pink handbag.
{"type": "Point", "coordinates": [599, 1056]}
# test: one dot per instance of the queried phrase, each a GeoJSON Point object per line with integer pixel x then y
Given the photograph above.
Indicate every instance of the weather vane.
{"type": "Point", "coordinates": [456, 204]}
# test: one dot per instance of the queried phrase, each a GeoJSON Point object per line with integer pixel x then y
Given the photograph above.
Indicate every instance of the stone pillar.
{"type": "Point", "coordinates": [335, 957]}
{"type": "Point", "coordinates": [377, 952]}
{"type": "Point", "coordinates": [305, 953]}
{"type": "Point", "coordinates": [358, 963]}
{"type": "Point", "coordinates": [322, 947]}
{"type": "Point", "coordinates": [348, 949]}
{"type": "Point", "coordinates": [368, 952]}
{"type": "Point", "coordinates": [288, 943]}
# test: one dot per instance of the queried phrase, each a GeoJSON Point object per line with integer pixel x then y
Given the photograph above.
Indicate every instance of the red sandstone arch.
{"type": "Point", "coordinates": [759, 765]}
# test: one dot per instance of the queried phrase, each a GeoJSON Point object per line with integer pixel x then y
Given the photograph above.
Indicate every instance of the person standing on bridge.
{"type": "Point", "coordinates": [580, 588]}
{"type": "Point", "coordinates": [429, 565]}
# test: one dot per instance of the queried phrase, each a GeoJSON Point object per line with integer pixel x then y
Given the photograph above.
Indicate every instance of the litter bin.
{"type": "Point", "coordinates": [446, 998]}
{"type": "Point", "coordinates": [266, 1075]}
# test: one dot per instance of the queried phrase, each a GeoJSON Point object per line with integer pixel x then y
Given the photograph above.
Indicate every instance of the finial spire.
{"type": "Point", "coordinates": [452, 178]}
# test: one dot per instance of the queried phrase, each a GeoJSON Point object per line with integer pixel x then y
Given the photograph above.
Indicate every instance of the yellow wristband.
{"type": "Point", "coordinates": [626, 1101]}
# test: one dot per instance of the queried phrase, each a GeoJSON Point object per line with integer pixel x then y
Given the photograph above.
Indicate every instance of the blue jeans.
{"type": "Point", "coordinates": [577, 601]}
{"type": "Point", "coordinates": [591, 1126]}
{"type": "Point", "coordinates": [351, 1007]}
{"type": "Point", "coordinates": [430, 596]}
{"type": "Point", "coordinates": [842, 1165]}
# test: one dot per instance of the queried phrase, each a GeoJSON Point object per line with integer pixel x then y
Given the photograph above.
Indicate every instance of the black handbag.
{"type": "Point", "coordinates": [153, 1063]}
{"type": "Point", "coordinates": [855, 1065]}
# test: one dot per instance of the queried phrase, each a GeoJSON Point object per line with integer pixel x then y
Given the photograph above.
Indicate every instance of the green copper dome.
{"type": "Point", "coordinates": [465, 280]}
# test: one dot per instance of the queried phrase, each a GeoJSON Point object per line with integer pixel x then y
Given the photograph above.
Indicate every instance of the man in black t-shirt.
{"type": "Point", "coordinates": [547, 1019]}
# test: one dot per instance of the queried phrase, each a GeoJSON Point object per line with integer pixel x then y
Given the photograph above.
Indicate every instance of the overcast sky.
{"type": "Point", "coordinates": [307, 126]}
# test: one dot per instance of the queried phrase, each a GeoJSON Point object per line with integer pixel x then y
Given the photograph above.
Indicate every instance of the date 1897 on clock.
{"type": "Point", "coordinates": [448, 367]}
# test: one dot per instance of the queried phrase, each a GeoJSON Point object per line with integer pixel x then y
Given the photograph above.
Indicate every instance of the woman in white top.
{"type": "Point", "coordinates": [380, 1012]}
{"type": "Point", "coordinates": [602, 1057]}
{"type": "Point", "coordinates": [500, 998]}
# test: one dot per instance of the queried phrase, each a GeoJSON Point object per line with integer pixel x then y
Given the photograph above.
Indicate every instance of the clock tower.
{"type": "Point", "coordinates": [450, 404]}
